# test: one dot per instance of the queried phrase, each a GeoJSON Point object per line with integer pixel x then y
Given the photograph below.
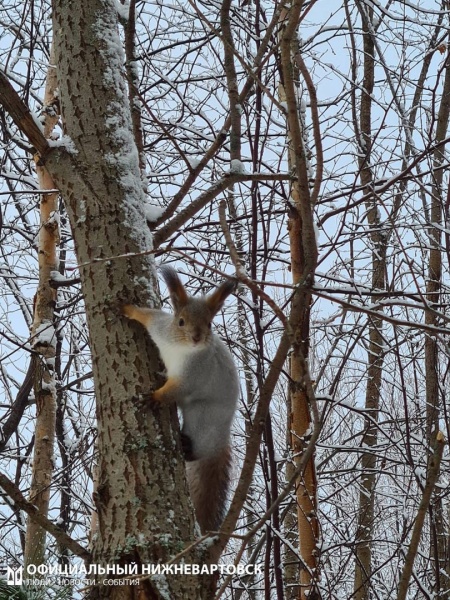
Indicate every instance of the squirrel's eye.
{"type": "Point", "coordinates": [209, 325]}
{"type": "Point", "coordinates": [181, 322]}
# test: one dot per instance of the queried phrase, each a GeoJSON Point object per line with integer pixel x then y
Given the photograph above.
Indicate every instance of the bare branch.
{"type": "Point", "coordinates": [21, 503]}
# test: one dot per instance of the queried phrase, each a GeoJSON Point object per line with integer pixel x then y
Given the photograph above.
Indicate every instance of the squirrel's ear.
{"type": "Point", "coordinates": [178, 294]}
{"type": "Point", "coordinates": [217, 298]}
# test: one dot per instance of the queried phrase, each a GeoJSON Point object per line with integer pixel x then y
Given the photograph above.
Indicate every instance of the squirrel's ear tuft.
{"type": "Point", "coordinates": [217, 298]}
{"type": "Point", "coordinates": [178, 294]}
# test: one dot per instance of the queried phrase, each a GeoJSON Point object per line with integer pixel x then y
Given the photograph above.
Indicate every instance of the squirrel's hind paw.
{"type": "Point", "coordinates": [186, 446]}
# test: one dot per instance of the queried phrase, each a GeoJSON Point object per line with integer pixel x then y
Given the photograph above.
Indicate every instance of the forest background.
{"type": "Point", "coordinates": [300, 147]}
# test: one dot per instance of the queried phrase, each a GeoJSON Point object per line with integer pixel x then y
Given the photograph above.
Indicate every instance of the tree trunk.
{"type": "Point", "coordinates": [44, 341]}
{"type": "Point", "coordinates": [303, 251]}
{"type": "Point", "coordinates": [433, 377]}
{"type": "Point", "coordinates": [144, 512]}
{"type": "Point", "coordinates": [365, 528]}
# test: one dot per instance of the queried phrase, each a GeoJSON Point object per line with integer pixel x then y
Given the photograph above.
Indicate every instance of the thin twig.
{"type": "Point", "coordinates": [240, 271]}
{"type": "Point", "coordinates": [227, 181]}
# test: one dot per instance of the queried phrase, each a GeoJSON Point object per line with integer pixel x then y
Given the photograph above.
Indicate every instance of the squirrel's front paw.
{"type": "Point", "coordinates": [152, 399]}
{"type": "Point", "coordinates": [156, 397]}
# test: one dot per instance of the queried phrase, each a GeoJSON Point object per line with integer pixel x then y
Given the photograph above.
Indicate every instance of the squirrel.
{"type": "Point", "coordinates": [203, 380]}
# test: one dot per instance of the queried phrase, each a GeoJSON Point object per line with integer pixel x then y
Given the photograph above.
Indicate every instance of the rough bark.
{"type": "Point", "coordinates": [144, 514]}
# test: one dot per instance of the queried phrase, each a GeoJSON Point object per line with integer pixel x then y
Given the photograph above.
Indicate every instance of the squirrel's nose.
{"type": "Point", "coordinates": [196, 336]}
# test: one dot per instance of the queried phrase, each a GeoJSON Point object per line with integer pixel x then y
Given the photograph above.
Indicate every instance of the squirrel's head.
{"type": "Point", "coordinates": [193, 316]}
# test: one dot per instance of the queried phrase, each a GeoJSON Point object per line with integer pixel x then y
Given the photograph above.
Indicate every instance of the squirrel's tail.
{"type": "Point", "coordinates": [209, 482]}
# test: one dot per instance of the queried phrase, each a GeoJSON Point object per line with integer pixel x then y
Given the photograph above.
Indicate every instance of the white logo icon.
{"type": "Point", "coordinates": [14, 576]}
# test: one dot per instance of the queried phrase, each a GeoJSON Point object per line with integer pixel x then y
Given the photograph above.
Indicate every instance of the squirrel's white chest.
{"type": "Point", "coordinates": [174, 356]}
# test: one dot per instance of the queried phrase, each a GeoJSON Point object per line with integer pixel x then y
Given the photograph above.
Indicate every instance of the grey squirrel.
{"type": "Point", "coordinates": [202, 379]}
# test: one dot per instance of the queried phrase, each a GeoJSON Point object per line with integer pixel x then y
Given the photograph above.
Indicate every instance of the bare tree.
{"type": "Point", "coordinates": [301, 147]}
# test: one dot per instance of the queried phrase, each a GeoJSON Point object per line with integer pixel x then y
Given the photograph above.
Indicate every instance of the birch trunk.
{"type": "Point", "coordinates": [44, 341]}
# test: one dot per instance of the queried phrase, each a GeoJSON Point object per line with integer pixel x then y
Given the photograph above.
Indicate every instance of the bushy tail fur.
{"type": "Point", "coordinates": [209, 482]}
